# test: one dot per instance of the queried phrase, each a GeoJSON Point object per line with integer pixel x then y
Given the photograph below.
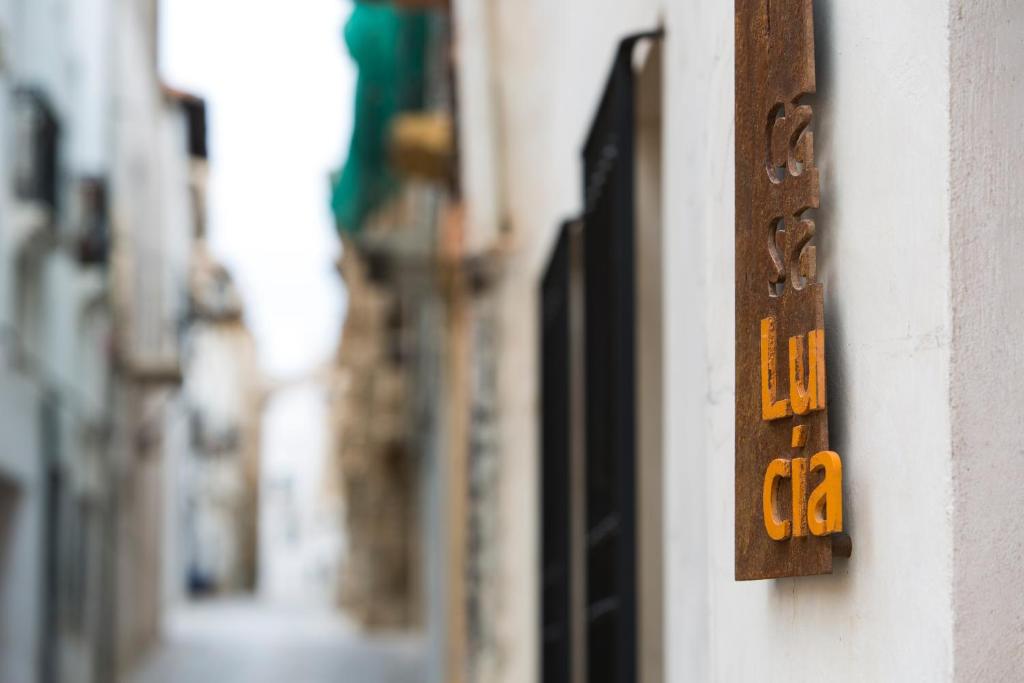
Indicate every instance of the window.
{"type": "Point", "coordinates": [601, 561]}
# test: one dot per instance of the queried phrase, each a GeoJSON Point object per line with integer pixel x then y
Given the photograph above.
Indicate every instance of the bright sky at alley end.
{"type": "Point", "coordinates": [278, 85]}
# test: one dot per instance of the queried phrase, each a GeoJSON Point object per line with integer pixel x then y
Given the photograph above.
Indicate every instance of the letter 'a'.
{"type": "Point", "coordinates": [825, 506]}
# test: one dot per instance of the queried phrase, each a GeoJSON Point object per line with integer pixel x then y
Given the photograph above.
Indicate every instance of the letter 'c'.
{"type": "Point", "coordinates": [778, 530]}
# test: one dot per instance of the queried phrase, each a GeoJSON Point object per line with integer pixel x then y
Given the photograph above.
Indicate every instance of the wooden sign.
{"type": "Point", "coordinates": [789, 501]}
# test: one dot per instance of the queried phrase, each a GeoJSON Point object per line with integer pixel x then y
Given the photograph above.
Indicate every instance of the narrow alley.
{"type": "Point", "coordinates": [511, 341]}
{"type": "Point", "coordinates": [246, 641]}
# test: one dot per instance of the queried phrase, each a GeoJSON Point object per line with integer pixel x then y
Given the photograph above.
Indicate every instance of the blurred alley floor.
{"type": "Point", "coordinates": [248, 641]}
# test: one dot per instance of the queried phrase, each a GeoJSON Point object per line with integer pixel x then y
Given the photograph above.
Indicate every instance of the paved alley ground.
{"type": "Point", "coordinates": [253, 642]}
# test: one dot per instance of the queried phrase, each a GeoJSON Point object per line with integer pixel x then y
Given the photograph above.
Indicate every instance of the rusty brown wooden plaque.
{"type": "Point", "coordinates": [782, 445]}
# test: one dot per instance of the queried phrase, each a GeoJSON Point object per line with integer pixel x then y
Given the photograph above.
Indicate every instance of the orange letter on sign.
{"type": "Point", "coordinates": [825, 507]}
{"type": "Point", "coordinates": [816, 381]}
{"type": "Point", "coordinates": [807, 391]}
{"type": "Point", "coordinates": [799, 481]}
{"type": "Point", "coordinates": [770, 408]}
{"type": "Point", "coordinates": [778, 530]}
{"type": "Point", "coordinates": [798, 395]}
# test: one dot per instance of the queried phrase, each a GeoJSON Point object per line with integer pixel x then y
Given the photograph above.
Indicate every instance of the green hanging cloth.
{"type": "Point", "coordinates": [388, 46]}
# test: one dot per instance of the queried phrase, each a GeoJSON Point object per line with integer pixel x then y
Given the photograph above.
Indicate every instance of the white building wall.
{"type": "Point", "coordinates": [479, 123]}
{"type": "Point", "coordinates": [84, 57]}
{"type": "Point", "coordinates": [882, 148]}
{"type": "Point", "coordinates": [987, 241]}
{"type": "Point", "coordinates": [21, 529]}
{"type": "Point", "coordinates": [173, 549]}
{"type": "Point", "coordinates": [552, 59]}
{"type": "Point", "coordinates": [50, 47]}
{"type": "Point", "coordinates": [88, 34]}
{"type": "Point", "coordinates": [219, 461]}
{"type": "Point", "coordinates": [906, 276]}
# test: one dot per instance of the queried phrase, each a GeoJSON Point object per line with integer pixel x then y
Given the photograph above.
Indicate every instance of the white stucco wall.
{"type": "Point", "coordinates": [552, 59]}
{"type": "Point", "coordinates": [21, 529]}
{"type": "Point", "coordinates": [45, 45]}
{"type": "Point", "coordinates": [883, 147]}
{"type": "Point", "coordinates": [987, 243]}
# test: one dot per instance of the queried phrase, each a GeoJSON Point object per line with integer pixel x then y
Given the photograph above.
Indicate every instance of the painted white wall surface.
{"type": "Point", "coordinates": [987, 243]}
{"type": "Point", "coordinates": [21, 567]}
{"type": "Point", "coordinates": [480, 144]}
{"type": "Point", "coordinates": [174, 547]}
{"type": "Point", "coordinates": [918, 123]}
{"type": "Point", "coordinates": [59, 48]}
{"type": "Point", "coordinates": [882, 148]}
{"type": "Point", "coordinates": [221, 391]}
{"type": "Point", "coordinates": [552, 59]}
{"type": "Point", "coordinates": [88, 34]}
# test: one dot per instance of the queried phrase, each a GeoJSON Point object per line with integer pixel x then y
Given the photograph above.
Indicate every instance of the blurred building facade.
{"type": "Point", "coordinates": [573, 297]}
{"type": "Point", "coordinates": [151, 245]}
{"type": "Point", "coordinates": [102, 197]}
{"type": "Point", "coordinates": [219, 480]}
{"type": "Point", "coordinates": [372, 450]}
{"type": "Point", "coordinates": [58, 533]}
{"type": "Point", "coordinates": [417, 419]}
